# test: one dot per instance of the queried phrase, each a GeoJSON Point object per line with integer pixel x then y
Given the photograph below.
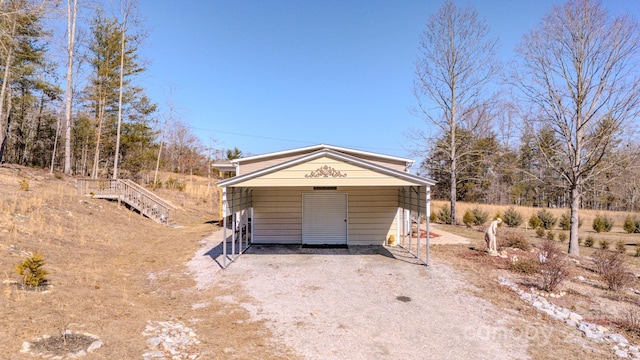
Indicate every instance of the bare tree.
{"type": "Point", "coordinates": [455, 63]}
{"type": "Point", "coordinates": [577, 73]}
{"type": "Point", "coordinates": [72, 13]}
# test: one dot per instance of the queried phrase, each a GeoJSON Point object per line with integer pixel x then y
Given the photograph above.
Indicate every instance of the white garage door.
{"type": "Point", "coordinates": [324, 219]}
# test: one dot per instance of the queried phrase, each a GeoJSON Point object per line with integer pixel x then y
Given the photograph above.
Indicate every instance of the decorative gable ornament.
{"type": "Point", "coordinates": [325, 172]}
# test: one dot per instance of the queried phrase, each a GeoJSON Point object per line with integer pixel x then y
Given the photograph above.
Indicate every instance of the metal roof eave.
{"type": "Point", "coordinates": [333, 154]}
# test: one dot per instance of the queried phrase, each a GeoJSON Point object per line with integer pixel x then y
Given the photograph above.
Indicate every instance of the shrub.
{"type": "Point", "coordinates": [512, 218]}
{"type": "Point", "coordinates": [534, 221]}
{"type": "Point", "coordinates": [540, 232]}
{"type": "Point", "coordinates": [551, 235]}
{"type": "Point", "coordinates": [629, 225]}
{"type": "Point", "coordinates": [565, 222]}
{"type": "Point", "coordinates": [514, 240]}
{"type": "Point", "coordinates": [433, 217]}
{"type": "Point", "coordinates": [612, 268]}
{"type": "Point", "coordinates": [620, 247]}
{"type": "Point", "coordinates": [553, 268]}
{"type": "Point", "coordinates": [604, 244]}
{"type": "Point", "coordinates": [468, 218]}
{"type": "Point", "coordinates": [31, 270]}
{"type": "Point", "coordinates": [444, 215]}
{"type": "Point", "coordinates": [547, 220]}
{"type": "Point", "coordinates": [24, 185]}
{"type": "Point", "coordinates": [631, 320]}
{"type": "Point", "coordinates": [480, 217]}
{"type": "Point", "coordinates": [602, 223]}
{"type": "Point", "coordinates": [563, 237]}
{"type": "Point", "coordinates": [589, 242]}
{"type": "Point", "coordinates": [524, 266]}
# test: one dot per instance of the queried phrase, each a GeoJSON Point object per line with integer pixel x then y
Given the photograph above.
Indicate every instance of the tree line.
{"type": "Point", "coordinates": [77, 107]}
{"type": "Point", "coordinates": [555, 127]}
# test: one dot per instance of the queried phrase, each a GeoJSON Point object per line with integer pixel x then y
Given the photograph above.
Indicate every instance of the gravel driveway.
{"type": "Point", "coordinates": [369, 303]}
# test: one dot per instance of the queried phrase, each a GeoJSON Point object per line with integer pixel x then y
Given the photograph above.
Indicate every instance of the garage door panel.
{"type": "Point", "coordinates": [324, 219]}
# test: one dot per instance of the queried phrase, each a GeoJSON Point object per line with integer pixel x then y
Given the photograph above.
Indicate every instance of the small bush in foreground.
{"type": "Point", "coordinates": [551, 235]}
{"type": "Point", "coordinates": [547, 220]}
{"type": "Point", "coordinates": [540, 232]}
{"type": "Point", "coordinates": [24, 185]}
{"type": "Point", "coordinates": [604, 244]}
{"type": "Point", "coordinates": [524, 266]}
{"type": "Point", "coordinates": [468, 218]}
{"type": "Point", "coordinates": [31, 270]}
{"type": "Point", "coordinates": [589, 242]}
{"type": "Point", "coordinates": [444, 215]}
{"type": "Point", "coordinates": [629, 225]}
{"type": "Point", "coordinates": [630, 320]}
{"type": "Point", "coordinates": [612, 268]}
{"type": "Point", "coordinates": [563, 237]}
{"type": "Point", "coordinates": [514, 240]}
{"type": "Point", "coordinates": [512, 218]}
{"type": "Point", "coordinates": [553, 268]}
{"type": "Point", "coordinates": [534, 221]}
{"type": "Point", "coordinates": [602, 223]}
{"type": "Point", "coordinates": [620, 247]}
{"type": "Point", "coordinates": [565, 222]}
{"type": "Point", "coordinates": [479, 217]}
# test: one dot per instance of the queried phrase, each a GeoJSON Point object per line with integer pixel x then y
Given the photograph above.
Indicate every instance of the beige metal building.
{"type": "Point", "coordinates": [323, 195]}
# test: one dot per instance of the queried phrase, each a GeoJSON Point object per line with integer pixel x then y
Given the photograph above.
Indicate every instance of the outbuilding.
{"type": "Point", "coordinates": [325, 195]}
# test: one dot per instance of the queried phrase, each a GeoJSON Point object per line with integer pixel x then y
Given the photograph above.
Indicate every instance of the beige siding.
{"type": "Point", "coordinates": [278, 214]}
{"type": "Point", "coordinates": [259, 164]}
{"type": "Point", "coordinates": [372, 214]}
{"type": "Point", "coordinates": [300, 175]}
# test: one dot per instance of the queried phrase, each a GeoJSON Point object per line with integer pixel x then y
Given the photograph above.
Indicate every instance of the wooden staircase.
{"type": "Point", "coordinates": [137, 197]}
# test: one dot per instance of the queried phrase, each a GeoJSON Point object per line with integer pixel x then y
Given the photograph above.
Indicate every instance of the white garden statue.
{"type": "Point", "coordinates": [490, 237]}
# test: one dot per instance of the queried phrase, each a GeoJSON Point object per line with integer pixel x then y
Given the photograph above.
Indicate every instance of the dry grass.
{"type": "Point", "coordinates": [589, 298]}
{"type": "Point", "coordinates": [111, 271]}
{"type": "Point", "coordinates": [631, 241]}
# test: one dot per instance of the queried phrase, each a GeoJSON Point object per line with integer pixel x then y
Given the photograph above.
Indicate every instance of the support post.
{"type": "Point", "coordinates": [419, 226]}
{"type": "Point", "coordinates": [233, 224]}
{"type": "Point", "coordinates": [224, 227]}
{"type": "Point", "coordinates": [428, 216]}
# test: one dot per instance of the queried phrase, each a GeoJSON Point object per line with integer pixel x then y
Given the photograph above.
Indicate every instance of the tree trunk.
{"type": "Point", "coordinates": [122, 49]}
{"type": "Point", "coordinates": [574, 246]}
{"type": "Point", "coordinates": [71, 29]}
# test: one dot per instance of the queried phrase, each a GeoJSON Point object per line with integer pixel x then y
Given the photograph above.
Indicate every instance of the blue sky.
{"type": "Point", "coordinates": [273, 75]}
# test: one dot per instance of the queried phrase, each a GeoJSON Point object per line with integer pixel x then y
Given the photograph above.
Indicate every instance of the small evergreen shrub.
{"type": "Point", "coordinates": [602, 224]}
{"type": "Point", "coordinates": [629, 225]}
{"type": "Point", "coordinates": [547, 220]}
{"type": "Point", "coordinates": [24, 185]}
{"type": "Point", "coordinates": [512, 218]}
{"type": "Point", "coordinates": [468, 219]}
{"type": "Point", "coordinates": [551, 235]}
{"type": "Point", "coordinates": [444, 215]}
{"type": "Point", "coordinates": [565, 222]}
{"type": "Point", "coordinates": [433, 217]}
{"type": "Point", "coordinates": [534, 221]}
{"type": "Point", "coordinates": [589, 242]}
{"type": "Point", "coordinates": [33, 275]}
{"type": "Point", "coordinates": [524, 266]}
{"type": "Point", "coordinates": [620, 247]}
{"type": "Point", "coordinates": [540, 232]}
{"type": "Point", "coordinates": [604, 244]}
{"type": "Point", "coordinates": [563, 237]}
{"type": "Point", "coordinates": [480, 217]}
